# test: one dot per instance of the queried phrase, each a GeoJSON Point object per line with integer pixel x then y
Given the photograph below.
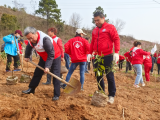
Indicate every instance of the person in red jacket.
{"type": "Point", "coordinates": [155, 55]}
{"type": "Point", "coordinates": [137, 61]}
{"type": "Point", "coordinates": [128, 56]}
{"type": "Point", "coordinates": [52, 33]}
{"type": "Point", "coordinates": [121, 59]}
{"type": "Point", "coordinates": [104, 36]}
{"type": "Point", "coordinates": [50, 58]}
{"type": "Point", "coordinates": [134, 45]}
{"type": "Point", "coordinates": [77, 48]}
{"type": "Point", "coordinates": [158, 62]}
{"type": "Point", "coordinates": [147, 62]}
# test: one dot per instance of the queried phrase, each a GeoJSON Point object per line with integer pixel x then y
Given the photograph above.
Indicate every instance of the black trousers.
{"type": "Point", "coordinates": [55, 69]}
{"type": "Point", "coordinates": [110, 76]}
{"type": "Point", "coordinates": [128, 66]}
{"type": "Point", "coordinates": [89, 65]}
{"type": "Point", "coordinates": [9, 61]}
{"type": "Point", "coordinates": [120, 64]}
{"type": "Point", "coordinates": [158, 68]}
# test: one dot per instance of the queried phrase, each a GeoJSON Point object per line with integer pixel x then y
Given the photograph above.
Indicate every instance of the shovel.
{"type": "Point", "coordinates": [72, 88]}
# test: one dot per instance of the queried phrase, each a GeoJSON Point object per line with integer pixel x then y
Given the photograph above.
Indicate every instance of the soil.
{"type": "Point", "coordinates": [130, 103]}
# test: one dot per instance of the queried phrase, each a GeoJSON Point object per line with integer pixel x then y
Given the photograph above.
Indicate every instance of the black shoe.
{"type": "Point", "coordinates": [55, 98]}
{"type": "Point", "coordinates": [63, 86]}
{"type": "Point", "coordinates": [47, 83]}
{"type": "Point", "coordinates": [30, 90]}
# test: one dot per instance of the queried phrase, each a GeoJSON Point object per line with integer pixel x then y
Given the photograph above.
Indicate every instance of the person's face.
{"type": "Point", "coordinates": [139, 46]}
{"type": "Point", "coordinates": [99, 21]}
{"type": "Point", "coordinates": [82, 35]}
{"type": "Point", "coordinates": [51, 34]}
{"type": "Point", "coordinates": [32, 37]}
{"type": "Point", "coordinates": [17, 35]}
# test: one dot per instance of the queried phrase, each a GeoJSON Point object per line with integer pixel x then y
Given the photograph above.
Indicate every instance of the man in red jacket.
{"type": "Point", "coordinates": [50, 58]}
{"type": "Point", "coordinates": [52, 33]}
{"type": "Point", "coordinates": [103, 38]}
{"type": "Point", "coordinates": [77, 48]}
{"type": "Point", "coordinates": [121, 59]}
{"type": "Point", "coordinates": [128, 56]}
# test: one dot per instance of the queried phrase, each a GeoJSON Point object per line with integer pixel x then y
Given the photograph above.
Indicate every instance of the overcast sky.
{"type": "Point", "coordinates": [142, 17]}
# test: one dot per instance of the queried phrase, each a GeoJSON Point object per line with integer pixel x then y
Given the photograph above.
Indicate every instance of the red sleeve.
{"type": "Point", "coordinates": [125, 54]}
{"type": "Point", "coordinates": [144, 52]}
{"type": "Point", "coordinates": [20, 48]}
{"type": "Point", "coordinates": [26, 42]}
{"type": "Point", "coordinates": [67, 48]}
{"type": "Point", "coordinates": [87, 47]}
{"type": "Point", "coordinates": [115, 38]}
{"type": "Point", "coordinates": [91, 45]}
{"type": "Point", "coordinates": [59, 43]}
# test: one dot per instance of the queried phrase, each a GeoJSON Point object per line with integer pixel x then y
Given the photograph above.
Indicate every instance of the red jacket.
{"type": "Point", "coordinates": [137, 55]}
{"type": "Point", "coordinates": [20, 48]}
{"type": "Point", "coordinates": [77, 48]}
{"type": "Point", "coordinates": [121, 57]}
{"type": "Point", "coordinates": [131, 49]}
{"type": "Point", "coordinates": [158, 60]}
{"type": "Point", "coordinates": [147, 60]}
{"type": "Point", "coordinates": [103, 39]}
{"type": "Point", "coordinates": [155, 55]}
{"type": "Point", "coordinates": [128, 57]}
{"type": "Point", "coordinates": [59, 43]}
{"type": "Point", "coordinates": [26, 42]}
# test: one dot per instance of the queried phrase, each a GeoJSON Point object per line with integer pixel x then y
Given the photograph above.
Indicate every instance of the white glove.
{"type": "Point", "coordinates": [12, 42]}
{"type": "Point", "coordinates": [89, 57]}
{"type": "Point", "coordinates": [18, 52]}
{"type": "Point", "coordinates": [116, 57]}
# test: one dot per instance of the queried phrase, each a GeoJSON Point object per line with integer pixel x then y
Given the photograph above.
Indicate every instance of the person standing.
{"type": "Point", "coordinates": [153, 61]}
{"type": "Point", "coordinates": [11, 45]}
{"type": "Point", "coordinates": [103, 38]}
{"type": "Point", "coordinates": [158, 62]}
{"type": "Point", "coordinates": [50, 58]}
{"type": "Point", "coordinates": [88, 59]}
{"type": "Point", "coordinates": [128, 56]}
{"type": "Point", "coordinates": [121, 60]}
{"type": "Point", "coordinates": [52, 32]}
{"type": "Point", "coordinates": [77, 48]}
{"type": "Point", "coordinates": [147, 66]}
{"type": "Point", "coordinates": [137, 61]}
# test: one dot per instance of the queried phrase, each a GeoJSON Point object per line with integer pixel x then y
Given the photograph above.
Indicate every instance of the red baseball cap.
{"type": "Point", "coordinates": [19, 32]}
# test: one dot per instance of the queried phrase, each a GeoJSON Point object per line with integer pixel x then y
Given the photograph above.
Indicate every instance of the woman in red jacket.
{"type": "Point", "coordinates": [77, 48]}
{"type": "Point", "coordinates": [147, 66]}
{"type": "Point", "coordinates": [137, 61]}
{"type": "Point", "coordinates": [128, 56]}
{"type": "Point", "coordinates": [121, 59]}
{"type": "Point", "coordinates": [158, 62]}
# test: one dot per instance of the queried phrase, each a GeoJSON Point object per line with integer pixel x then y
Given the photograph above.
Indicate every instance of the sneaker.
{"type": "Point", "coordinates": [111, 100]}
{"type": "Point", "coordinates": [16, 69]}
{"type": "Point", "coordinates": [143, 84]}
{"type": "Point", "coordinates": [136, 86]}
{"type": "Point", "coordinates": [55, 98]}
{"type": "Point", "coordinates": [63, 86]}
{"type": "Point", "coordinates": [8, 70]}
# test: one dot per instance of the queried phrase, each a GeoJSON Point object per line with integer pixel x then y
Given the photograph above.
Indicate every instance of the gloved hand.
{"type": "Point", "coordinates": [116, 57]}
{"type": "Point", "coordinates": [18, 52]}
{"type": "Point", "coordinates": [12, 42]}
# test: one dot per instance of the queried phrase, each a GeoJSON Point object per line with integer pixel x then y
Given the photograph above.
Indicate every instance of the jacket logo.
{"type": "Point", "coordinates": [103, 30]}
{"type": "Point", "coordinates": [77, 45]}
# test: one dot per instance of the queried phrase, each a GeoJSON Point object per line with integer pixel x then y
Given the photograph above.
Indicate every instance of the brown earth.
{"type": "Point", "coordinates": [137, 104]}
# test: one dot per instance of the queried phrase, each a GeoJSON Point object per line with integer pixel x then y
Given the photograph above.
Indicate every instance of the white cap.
{"type": "Point", "coordinates": [80, 31]}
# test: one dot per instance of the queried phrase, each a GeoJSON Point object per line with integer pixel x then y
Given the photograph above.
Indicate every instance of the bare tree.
{"type": "Point", "coordinates": [33, 6]}
{"type": "Point", "coordinates": [119, 24]}
{"type": "Point", "coordinates": [18, 5]}
{"type": "Point", "coordinates": [75, 20]}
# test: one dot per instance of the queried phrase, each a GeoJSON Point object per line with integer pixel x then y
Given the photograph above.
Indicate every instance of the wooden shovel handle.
{"type": "Point", "coordinates": [52, 74]}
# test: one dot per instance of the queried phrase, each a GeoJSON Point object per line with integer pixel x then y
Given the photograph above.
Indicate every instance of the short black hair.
{"type": "Point", "coordinates": [138, 43]}
{"type": "Point", "coordinates": [100, 14]}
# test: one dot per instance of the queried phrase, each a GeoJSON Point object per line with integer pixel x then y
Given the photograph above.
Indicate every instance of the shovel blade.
{"type": "Point", "coordinates": [72, 91]}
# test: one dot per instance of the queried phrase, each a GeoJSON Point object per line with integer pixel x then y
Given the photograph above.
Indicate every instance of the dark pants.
{"type": "Point", "coordinates": [110, 77]}
{"type": "Point", "coordinates": [9, 61]}
{"type": "Point", "coordinates": [158, 68]}
{"type": "Point", "coordinates": [55, 69]}
{"type": "Point", "coordinates": [128, 66]}
{"type": "Point", "coordinates": [66, 57]}
{"type": "Point", "coordinates": [120, 64]}
{"type": "Point", "coordinates": [89, 65]}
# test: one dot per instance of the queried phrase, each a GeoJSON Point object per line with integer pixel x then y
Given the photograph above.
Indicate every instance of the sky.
{"type": "Point", "coordinates": [141, 17]}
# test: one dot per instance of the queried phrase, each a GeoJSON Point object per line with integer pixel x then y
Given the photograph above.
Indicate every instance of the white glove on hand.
{"type": "Point", "coordinates": [12, 42]}
{"type": "Point", "coordinates": [116, 57]}
{"type": "Point", "coordinates": [89, 57]}
{"type": "Point", "coordinates": [18, 52]}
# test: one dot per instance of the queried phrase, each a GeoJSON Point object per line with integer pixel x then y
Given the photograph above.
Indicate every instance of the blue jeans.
{"type": "Point", "coordinates": [82, 71]}
{"type": "Point", "coordinates": [138, 69]}
{"type": "Point", "coordinates": [86, 67]}
{"type": "Point", "coordinates": [66, 57]}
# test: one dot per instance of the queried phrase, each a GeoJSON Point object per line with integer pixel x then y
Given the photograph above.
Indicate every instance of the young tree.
{"type": "Point", "coordinates": [100, 9]}
{"type": "Point", "coordinates": [49, 9]}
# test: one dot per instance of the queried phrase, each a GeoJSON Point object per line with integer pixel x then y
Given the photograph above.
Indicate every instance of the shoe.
{"type": "Point", "coordinates": [143, 84]}
{"type": "Point", "coordinates": [86, 72]}
{"type": "Point", "coordinates": [55, 98]}
{"type": "Point", "coordinates": [136, 86]}
{"type": "Point", "coordinates": [111, 100]}
{"type": "Point", "coordinates": [30, 90]}
{"type": "Point", "coordinates": [8, 70]}
{"type": "Point", "coordinates": [63, 86]}
{"type": "Point", "coordinates": [16, 69]}
{"type": "Point", "coordinates": [47, 83]}
{"type": "Point", "coordinates": [82, 89]}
